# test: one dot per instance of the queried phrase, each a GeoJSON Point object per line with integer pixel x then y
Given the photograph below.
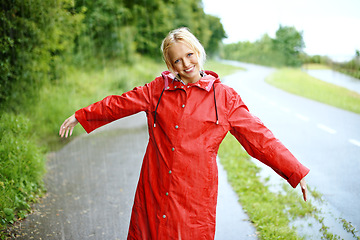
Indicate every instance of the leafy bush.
{"type": "Point", "coordinates": [284, 50]}
{"type": "Point", "coordinates": [35, 38]}
{"type": "Point", "coordinates": [21, 167]}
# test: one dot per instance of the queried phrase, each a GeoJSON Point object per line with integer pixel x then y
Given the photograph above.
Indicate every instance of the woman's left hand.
{"type": "Point", "coordinates": [67, 127]}
{"type": "Point", "coordinates": [303, 188]}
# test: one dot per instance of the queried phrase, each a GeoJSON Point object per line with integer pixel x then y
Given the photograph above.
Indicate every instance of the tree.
{"type": "Point", "coordinates": [35, 38]}
{"type": "Point", "coordinates": [107, 30]}
{"type": "Point", "coordinates": [217, 34]}
{"type": "Point", "coordinates": [290, 43]}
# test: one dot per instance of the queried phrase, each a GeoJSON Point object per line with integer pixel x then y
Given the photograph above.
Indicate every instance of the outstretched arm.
{"type": "Point", "coordinates": [261, 144]}
{"type": "Point", "coordinates": [67, 127]}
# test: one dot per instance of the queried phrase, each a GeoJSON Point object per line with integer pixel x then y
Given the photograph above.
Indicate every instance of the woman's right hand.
{"type": "Point", "coordinates": [68, 126]}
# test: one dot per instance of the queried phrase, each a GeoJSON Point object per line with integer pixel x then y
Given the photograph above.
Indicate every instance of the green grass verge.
{"type": "Point", "coordinates": [22, 165]}
{"type": "Point", "coordinates": [300, 83]}
{"type": "Point", "coordinates": [317, 66]}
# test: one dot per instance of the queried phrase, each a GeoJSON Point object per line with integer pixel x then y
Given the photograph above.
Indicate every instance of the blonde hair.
{"type": "Point", "coordinates": [185, 36]}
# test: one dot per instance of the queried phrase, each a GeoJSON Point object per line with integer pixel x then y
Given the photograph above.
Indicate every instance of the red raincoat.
{"type": "Point", "coordinates": [178, 185]}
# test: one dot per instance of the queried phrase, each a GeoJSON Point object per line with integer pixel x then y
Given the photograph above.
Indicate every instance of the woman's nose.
{"type": "Point", "coordinates": [186, 62]}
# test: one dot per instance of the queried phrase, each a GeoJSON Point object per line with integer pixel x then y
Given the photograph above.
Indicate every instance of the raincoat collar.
{"type": "Point", "coordinates": [204, 83]}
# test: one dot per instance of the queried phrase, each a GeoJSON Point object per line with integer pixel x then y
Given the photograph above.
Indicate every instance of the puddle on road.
{"type": "Point", "coordinates": [326, 223]}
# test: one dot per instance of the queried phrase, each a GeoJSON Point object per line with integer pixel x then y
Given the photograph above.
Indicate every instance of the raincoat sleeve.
{"type": "Point", "coordinates": [261, 144]}
{"type": "Point", "coordinates": [114, 107]}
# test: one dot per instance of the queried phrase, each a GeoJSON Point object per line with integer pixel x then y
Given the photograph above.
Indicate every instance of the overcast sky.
{"type": "Point", "coordinates": [330, 27]}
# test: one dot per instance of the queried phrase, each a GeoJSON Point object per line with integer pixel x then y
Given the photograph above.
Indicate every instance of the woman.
{"type": "Point", "coordinates": [189, 112]}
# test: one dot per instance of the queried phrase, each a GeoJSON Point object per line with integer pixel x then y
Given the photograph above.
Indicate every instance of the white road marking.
{"type": "Point", "coordinates": [355, 142]}
{"type": "Point", "coordinates": [302, 117]}
{"type": "Point", "coordinates": [285, 109]}
{"type": "Point", "coordinates": [326, 129]}
{"type": "Point", "coordinates": [272, 103]}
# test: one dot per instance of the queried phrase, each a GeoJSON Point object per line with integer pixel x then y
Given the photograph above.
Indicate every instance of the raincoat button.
{"type": "Point", "coordinates": [170, 171]}
{"type": "Point", "coordinates": [175, 87]}
{"type": "Point", "coordinates": [176, 126]}
{"type": "Point", "coordinates": [167, 194]}
{"type": "Point", "coordinates": [183, 106]}
{"type": "Point", "coordinates": [164, 216]}
{"type": "Point", "coordinates": [172, 149]}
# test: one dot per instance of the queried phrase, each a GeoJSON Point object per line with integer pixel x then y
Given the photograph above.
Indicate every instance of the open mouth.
{"type": "Point", "coordinates": [189, 69]}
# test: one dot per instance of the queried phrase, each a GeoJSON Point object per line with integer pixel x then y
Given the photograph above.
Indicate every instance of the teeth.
{"type": "Point", "coordinates": [188, 70]}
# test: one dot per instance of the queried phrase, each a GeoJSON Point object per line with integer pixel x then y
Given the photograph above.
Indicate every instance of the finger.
{"type": "Point", "coordinates": [63, 131]}
{"type": "Point", "coordinates": [304, 191]}
{"type": "Point", "coordinates": [67, 132]}
{"type": "Point", "coordinates": [71, 130]}
{"type": "Point", "coordinates": [62, 128]}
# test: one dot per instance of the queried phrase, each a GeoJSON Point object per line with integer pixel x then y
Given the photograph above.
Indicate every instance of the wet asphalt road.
{"type": "Point", "coordinates": [324, 138]}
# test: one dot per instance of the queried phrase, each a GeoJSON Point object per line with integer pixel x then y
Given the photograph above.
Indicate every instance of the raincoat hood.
{"type": "Point", "coordinates": [206, 82]}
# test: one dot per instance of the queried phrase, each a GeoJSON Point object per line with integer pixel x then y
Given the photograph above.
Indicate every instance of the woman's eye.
{"type": "Point", "coordinates": [176, 61]}
{"type": "Point", "coordinates": [190, 54]}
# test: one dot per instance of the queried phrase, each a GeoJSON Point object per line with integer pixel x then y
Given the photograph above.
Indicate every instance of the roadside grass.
{"type": "Point", "coordinates": [315, 66]}
{"type": "Point", "coordinates": [22, 166]}
{"type": "Point", "coordinates": [300, 83]}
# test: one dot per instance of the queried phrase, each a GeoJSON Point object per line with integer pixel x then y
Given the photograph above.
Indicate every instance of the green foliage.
{"type": "Point", "coordinates": [21, 167]}
{"type": "Point", "coordinates": [260, 52]}
{"type": "Point", "coordinates": [39, 38]}
{"type": "Point", "coordinates": [161, 16]}
{"type": "Point", "coordinates": [35, 37]}
{"type": "Point", "coordinates": [317, 59]}
{"type": "Point", "coordinates": [106, 30]}
{"type": "Point", "coordinates": [351, 68]}
{"type": "Point", "coordinates": [217, 34]}
{"type": "Point", "coordinates": [284, 50]}
{"type": "Point", "coordinates": [289, 42]}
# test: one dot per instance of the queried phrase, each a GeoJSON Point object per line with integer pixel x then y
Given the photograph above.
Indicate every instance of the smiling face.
{"type": "Point", "coordinates": [185, 62]}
